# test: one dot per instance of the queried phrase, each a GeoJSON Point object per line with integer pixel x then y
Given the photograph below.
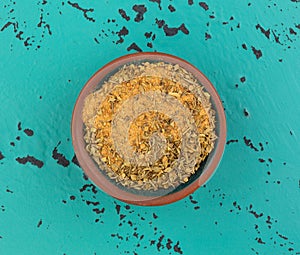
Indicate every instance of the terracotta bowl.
{"type": "Point", "coordinates": [99, 177]}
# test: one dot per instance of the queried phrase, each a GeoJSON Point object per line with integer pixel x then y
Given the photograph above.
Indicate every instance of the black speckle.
{"type": "Point", "coordinates": [171, 8]}
{"type": "Point", "coordinates": [40, 223]}
{"type": "Point", "coordinates": [150, 45]}
{"type": "Point", "coordinates": [207, 36]}
{"type": "Point", "coordinates": [19, 126]}
{"type": "Point", "coordinates": [12, 143]}
{"type": "Point", "coordinates": [204, 5]}
{"type": "Point", "coordinates": [190, 2]}
{"type": "Point", "coordinates": [192, 200]}
{"type": "Point", "coordinates": [232, 141]}
{"type": "Point", "coordinates": [171, 31]}
{"type": "Point", "coordinates": [118, 207]}
{"type": "Point", "coordinates": [291, 133]}
{"type": "Point", "coordinates": [48, 28]}
{"type": "Point", "coordinates": [270, 160]}
{"type": "Point", "coordinates": [64, 201]}
{"type": "Point", "coordinates": [124, 15]}
{"type": "Point", "coordinates": [85, 11]}
{"type": "Point", "coordinates": [196, 207]}
{"type": "Point", "coordinates": [92, 203]}
{"type": "Point", "coordinates": [15, 25]}
{"type": "Point", "coordinates": [9, 191]}
{"type": "Point", "coordinates": [28, 132]}
{"type": "Point", "coordinates": [31, 160]}
{"type": "Point", "coordinates": [72, 197]}
{"type": "Point", "coordinates": [256, 215]}
{"type": "Point", "coordinates": [85, 177]}
{"type": "Point", "coordinates": [292, 31]}
{"type": "Point", "coordinates": [259, 240]}
{"type": "Point", "coordinates": [26, 42]}
{"type": "Point", "coordinates": [86, 186]}
{"type": "Point", "coordinates": [134, 46]}
{"type": "Point", "coordinates": [261, 146]}
{"type": "Point", "coordinates": [183, 29]}
{"type": "Point", "coordinates": [75, 161]}
{"type": "Point", "coordinates": [276, 37]}
{"type": "Point", "coordinates": [261, 160]}
{"type": "Point", "coordinates": [148, 34]}
{"type": "Point", "coordinates": [98, 211]}
{"type": "Point", "coordinates": [159, 244]}
{"type": "Point", "coordinates": [158, 2]}
{"type": "Point", "coordinates": [154, 216]}
{"type": "Point", "coordinates": [18, 138]}
{"type": "Point", "coordinates": [244, 46]}
{"type": "Point", "coordinates": [243, 79]}
{"type": "Point", "coordinates": [61, 159]}
{"type": "Point", "coordinates": [246, 113]}
{"type": "Point", "coordinates": [249, 143]}
{"type": "Point", "coordinates": [177, 248]}
{"type": "Point", "coordinates": [19, 34]}
{"type": "Point", "coordinates": [117, 236]}
{"type": "Point", "coordinates": [265, 32]}
{"type": "Point", "coordinates": [123, 32]}
{"type": "Point", "coordinates": [140, 9]}
{"type": "Point", "coordinates": [257, 53]}
{"type": "Point", "coordinates": [282, 236]}
{"type": "Point", "coordinates": [159, 23]}
{"type": "Point", "coordinates": [169, 244]}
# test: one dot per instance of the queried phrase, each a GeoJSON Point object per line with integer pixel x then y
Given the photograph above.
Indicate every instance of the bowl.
{"type": "Point", "coordinates": [148, 128]}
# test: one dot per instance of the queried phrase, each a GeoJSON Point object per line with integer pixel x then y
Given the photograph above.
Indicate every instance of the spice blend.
{"type": "Point", "coordinates": [149, 126]}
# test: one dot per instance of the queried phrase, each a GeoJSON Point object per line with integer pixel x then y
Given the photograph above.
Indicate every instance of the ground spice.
{"type": "Point", "coordinates": [149, 126]}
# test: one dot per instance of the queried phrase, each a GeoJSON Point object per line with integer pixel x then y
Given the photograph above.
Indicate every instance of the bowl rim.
{"type": "Point", "coordinates": [98, 178]}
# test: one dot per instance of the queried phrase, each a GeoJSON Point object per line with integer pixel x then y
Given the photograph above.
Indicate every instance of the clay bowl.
{"type": "Point", "coordinates": [128, 195]}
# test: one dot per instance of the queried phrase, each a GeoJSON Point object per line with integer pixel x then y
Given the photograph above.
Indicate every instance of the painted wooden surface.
{"type": "Point", "coordinates": [250, 50]}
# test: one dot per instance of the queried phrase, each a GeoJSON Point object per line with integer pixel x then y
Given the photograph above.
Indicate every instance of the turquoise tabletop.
{"type": "Point", "coordinates": [249, 50]}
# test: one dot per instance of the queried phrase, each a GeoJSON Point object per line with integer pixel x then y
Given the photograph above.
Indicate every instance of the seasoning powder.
{"type": "Point", "coordinates": [149, 126]}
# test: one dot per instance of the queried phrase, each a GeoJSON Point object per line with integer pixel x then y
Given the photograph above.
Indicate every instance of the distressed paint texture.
{"type": "Point", "coordinates": [249, 50]}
